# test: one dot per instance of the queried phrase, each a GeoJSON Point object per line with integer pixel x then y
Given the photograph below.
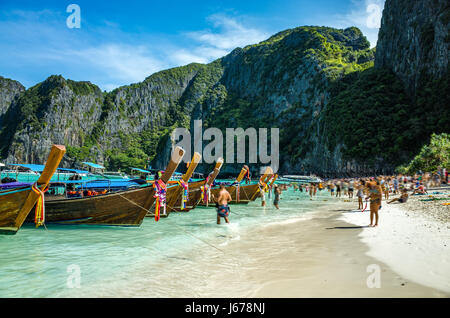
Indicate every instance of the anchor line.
{"type": "Point", "coordinates": [131, 201]}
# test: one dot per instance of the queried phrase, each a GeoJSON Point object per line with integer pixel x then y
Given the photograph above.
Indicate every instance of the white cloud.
{"type": "Point", "coordinates": [124, 63]}
{"type": "Point", "coordinates": [226, 35]}
{"type": "Point", "coordinates": [366, 15]}
{"type": "Point", "coordinates": [107, 56]}
{"type": "Point", "coordinates": [231, 34]}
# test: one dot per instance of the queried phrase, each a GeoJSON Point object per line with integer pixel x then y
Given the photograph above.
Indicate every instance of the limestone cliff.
{"type": "Point", "coordinates": [9, 91]}
{"type": "Point", "coordinates": [337, 113]}
{"type": "Point", "coordinates": [414, 41]}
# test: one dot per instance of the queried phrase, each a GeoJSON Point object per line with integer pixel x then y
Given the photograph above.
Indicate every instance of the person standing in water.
{"type": "Point", "coordinates": [223, 210]}
{"type": "Point", "coordinates": [263, 195]}
{"type": "Point", "coordinates": [312, 190]}
{"type": "Point", "coordinates": [360, 195]}
{"type": "Point", "coordinates": [277, 193]}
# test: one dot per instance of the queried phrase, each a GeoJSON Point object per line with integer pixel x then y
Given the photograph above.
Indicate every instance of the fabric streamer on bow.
{"type": "Point", "coordinates": [39, 217]}
{"type": "Point", "coordinates": [206, 193]}
{"type": "Point", "coordinates": [160, 195]}
{"type": "Point", "coordinates": [185, 194]}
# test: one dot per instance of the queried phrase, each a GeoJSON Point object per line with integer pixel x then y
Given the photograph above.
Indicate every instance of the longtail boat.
{"type": "Point", "coordinates": [248, 193]}
{"type": "Point", "coordinates": [243, 194]}
{"type": "Point", "coordinates": [16, 203]}
{"type": "Point", "coordinates": [199, 191]}
{"type": "Point", "coordinates": [178, 191]}
{"type": "Point", "coordinates": [121, 208]}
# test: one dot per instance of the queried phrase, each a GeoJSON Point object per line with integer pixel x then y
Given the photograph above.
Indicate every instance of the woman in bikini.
{"type": "Point", "coordinates": [375, 194]}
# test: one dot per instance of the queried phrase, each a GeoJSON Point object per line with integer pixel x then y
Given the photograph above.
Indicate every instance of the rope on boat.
{"type": "Point", "coordinates": [131, 201]}
{"type": "Point", "coordinates": [188, 233]}
{"type": "Point", "coordinates": [39, 217]}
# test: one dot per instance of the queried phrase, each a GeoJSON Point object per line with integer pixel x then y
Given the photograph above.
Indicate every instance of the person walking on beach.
{"type": "Point", "coordinates": [360, 195]}
{"type": "Point", "coordinates": [351, 188]}
{"type": "Point", "coordinates": [338, 189]}
{"type": "Point", "coordinates": [395, 185]}
{"type": "Point", "coordinates": [375, 195]}
{"type": "Point", "coordinates": [344, 185]}
{"type": "Point", "coordinates": [332, 188]}
{"type": "Point", "coordinates": [277, 194]}
{"type": "Point", "coordinates": [223, 210]}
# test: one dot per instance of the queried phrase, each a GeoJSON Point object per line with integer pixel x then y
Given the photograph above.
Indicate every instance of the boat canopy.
{"type": "Point", "coordinates": [93, 165]}
{"type": "Point", "coordinates": [141, 170]}
{"type": "Point", "coordinates": [14, 185]}
{"type": "Point", "coordinates": [32, 167]}
{"type": "Point", "coordinates": [2, 164]}
{"type": "Point", "coordinates": [40, 168]}
{"type": "Point", "coordinates": [73, 171]}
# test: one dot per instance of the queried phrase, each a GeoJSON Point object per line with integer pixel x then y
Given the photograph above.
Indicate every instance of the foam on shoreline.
{"type": "Point", "coordinates": [416, 247]}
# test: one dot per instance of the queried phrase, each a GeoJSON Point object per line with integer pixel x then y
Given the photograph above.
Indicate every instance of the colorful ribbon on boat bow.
{"type": "Point", "coordinates": [39, 216]}
{"type": "Point", "coordinates": [238, 191]}
{"type": "Point", "coordinates": [206, 193]}
{"type": "Point", "coordinates": [160, 195]}
{"type": "Point", "coordinates": [185, 194]}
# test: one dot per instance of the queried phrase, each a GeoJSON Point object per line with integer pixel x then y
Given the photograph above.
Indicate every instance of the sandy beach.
{"type": "Point", "coordinates": [333, 253]}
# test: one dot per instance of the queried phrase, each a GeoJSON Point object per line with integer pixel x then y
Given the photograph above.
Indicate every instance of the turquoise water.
{"type": "Point", "coordinates": [120, 261]}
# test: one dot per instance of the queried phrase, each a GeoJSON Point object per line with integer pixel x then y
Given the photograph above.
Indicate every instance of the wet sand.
{"type": "Point", "coordinates": [320, 257]}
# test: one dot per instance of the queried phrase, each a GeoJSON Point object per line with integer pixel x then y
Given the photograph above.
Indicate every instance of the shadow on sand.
{"type": "Point", "coordinates": [346, 227]}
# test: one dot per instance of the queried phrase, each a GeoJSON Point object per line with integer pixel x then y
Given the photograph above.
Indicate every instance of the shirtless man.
{"type": "Point", "coordinates": [223, 210]}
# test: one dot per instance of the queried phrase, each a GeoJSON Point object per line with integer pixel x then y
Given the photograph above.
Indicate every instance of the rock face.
{"type": "Point", "coordinates": [337, 113]}
{"type": "Point", "coordinates": [9, 91]}
{"type": "Point", "coordinates": [414, 40]}
{"type": "Point", "coordinates": [55, 111]}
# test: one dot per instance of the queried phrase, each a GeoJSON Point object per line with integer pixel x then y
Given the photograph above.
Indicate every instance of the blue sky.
{"type": "Point", "coordinates": [123, 42]}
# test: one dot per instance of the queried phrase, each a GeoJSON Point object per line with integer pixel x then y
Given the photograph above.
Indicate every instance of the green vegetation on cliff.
{"type": "Point", "coordinates": [317, 84]}
{"type": "Point", "coordinates": [432, 156]}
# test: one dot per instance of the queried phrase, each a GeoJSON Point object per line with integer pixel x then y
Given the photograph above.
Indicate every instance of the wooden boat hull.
{"type": "Point", "coordinates": [124, 208]}
{"type": "Point", "coordinates": [16, 203]}
{"type": "Point", "coordinates": [194, 196]}
{"type": "Point", "coordinates": [171, 195]}
{"type": "Point", "coordinates": [11, 211]}
{"type": "Point", "coordinates": [247, 194]}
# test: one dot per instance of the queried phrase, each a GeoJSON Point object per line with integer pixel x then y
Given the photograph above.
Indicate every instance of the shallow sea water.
{"type": "Point", "coordinates": [134, 262]}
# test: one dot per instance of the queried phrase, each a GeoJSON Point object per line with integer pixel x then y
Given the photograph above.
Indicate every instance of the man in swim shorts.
{"type": "Point", "coordinates": [223, 210]}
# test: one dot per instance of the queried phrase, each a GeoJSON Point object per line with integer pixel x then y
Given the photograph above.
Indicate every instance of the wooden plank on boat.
{"type": "Point", "coordinates": [268, 172]}
{"type": "Point", "coordinates": [16, 204]}
{"type": "Point", "coordinates": [174, 193]}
